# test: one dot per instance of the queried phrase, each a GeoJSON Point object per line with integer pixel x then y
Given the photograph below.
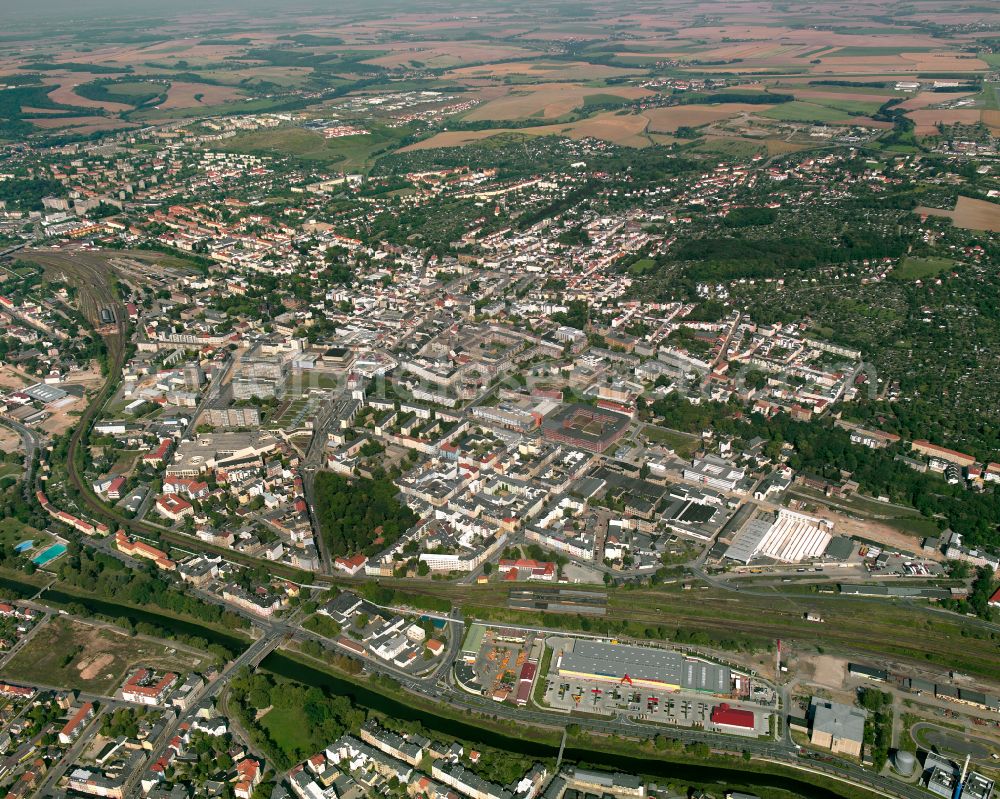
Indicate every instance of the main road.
{"type": "Point", "coordinates": [31, 442]}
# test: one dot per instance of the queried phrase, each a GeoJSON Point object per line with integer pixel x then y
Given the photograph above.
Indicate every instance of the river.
{"type": "Point", "coordinates": [702, 776]}
{"type": "Point", "coordinates": [107, 607]}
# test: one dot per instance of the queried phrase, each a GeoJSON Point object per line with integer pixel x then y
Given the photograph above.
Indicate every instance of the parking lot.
{"type": "Point", "coordinates": [681, 708]}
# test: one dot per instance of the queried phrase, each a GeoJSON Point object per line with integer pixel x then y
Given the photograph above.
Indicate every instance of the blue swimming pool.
{"type": "Point", "coordinates": [49, 554]}
{"type": "Point", "coordinates": [24, 546]}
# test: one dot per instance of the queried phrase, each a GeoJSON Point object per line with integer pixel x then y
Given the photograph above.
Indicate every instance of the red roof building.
{"type": "Point", "coordinates": [524, 683]}
{"type": "Point", "coordinates": [76, 724]}
{"type": "Point", "coordinates": [140, 687]}
{"type": "Point", "coordinates": [727, 716]}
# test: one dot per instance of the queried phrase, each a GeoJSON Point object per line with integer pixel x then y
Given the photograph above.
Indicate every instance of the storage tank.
{"type": "Point", "coordinates": [905, 762]}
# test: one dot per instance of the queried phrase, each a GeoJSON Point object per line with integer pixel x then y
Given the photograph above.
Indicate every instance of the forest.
{"type": "Point", "coordinates": [359, 515]}
{"type": "Point", "coordinates": [728, 258]}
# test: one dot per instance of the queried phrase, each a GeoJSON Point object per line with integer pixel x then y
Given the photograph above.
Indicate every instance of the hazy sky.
{"type": "Point", "coordinates": [54, 11]}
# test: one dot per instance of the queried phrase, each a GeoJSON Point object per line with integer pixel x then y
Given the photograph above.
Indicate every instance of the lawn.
{"type": "Point", "coordinates": [13, 532]}
{"type": "Point", "coordinates": [682, 444]}
{"type": "Point", "coordinates": [642, 266]}
{"type": "Point", "coordinates": [799, 111]}
{"type": "Point", "coordinates": [920, 528]}
{"type": "Point", "coordinates": [921, 268]}
{"type": "Point", "coordinates": [75, 654]}
{"type": "Point", "coordinates": [288, 728]}
{"type": "Point", "coordinates": [348, 152]}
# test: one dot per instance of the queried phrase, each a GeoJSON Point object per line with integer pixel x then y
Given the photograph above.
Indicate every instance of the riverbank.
{"type": "Point", "coordinates": [62, 597]}
{"type": "Point", "coordinates": [680, 765]}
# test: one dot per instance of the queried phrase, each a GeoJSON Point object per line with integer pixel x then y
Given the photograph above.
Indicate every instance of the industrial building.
{"type": "Point", "coordinates": [788, 537]}
{"type": "Point", "coordinates": [715, 473]}
{"type": "Point", "coordinates": [643, 666]}
{"type": "Point", "coordinates": [837, 727]}
{"type": "Point", "coordinates": [945, 778]}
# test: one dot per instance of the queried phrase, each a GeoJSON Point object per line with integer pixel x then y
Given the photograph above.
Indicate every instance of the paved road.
{"type": "Point", "coordinates": [75, 750]}
{"type": "Point", "coordinates": [25, 639]}
{"type": "Point", "coordinates": [32, 442]}
{"type": "Point", "coordinates": [252, 656]}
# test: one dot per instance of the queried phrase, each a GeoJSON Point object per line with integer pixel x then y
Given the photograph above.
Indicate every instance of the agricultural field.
{"type": "Point", "coordinates": [799, 111]}
{"type": "Point", "coordinates": [92, 658]}
{"type": "Point", "coordinates": [928, 119]}
{"type": "Point", "coordinates": [968, 213]}
{"type": "Point", "coordinates": [628, 130]}
{"type": "Point", "coordinates": [192, 95]}
{"type": "Point", "coordinates": [547, 101]}
{"type": "Point", "coordinates": [537, 71]}
{"type": "Point", "coordinates": [693, 116]}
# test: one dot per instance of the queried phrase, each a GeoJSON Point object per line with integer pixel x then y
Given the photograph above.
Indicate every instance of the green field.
{"type": "Point", "coordinates": [288, 728]}
{"type": "Point", "coordinates": [13, 532]}
{"type": "Point", "coordinates": [800, 111]}
{"type": "Point", "coordinates": [682, 444]}
{"type": "Point", "coordinates": [348, 152]}
{"type": "Point", "coordinates": [602, 99]}
{"type": "Point", "coordinates": [922, 268]}
{"type": "Point", "coordinates": [642, 266]}
{"type": "Point", "coordinates": [989, 98]}
{"type": "Point", "coordinates": [133, 92]}
{"type": "Point", "coordinates": [848, 106]}
{"type": "Point", "coordinates": [734, 148]}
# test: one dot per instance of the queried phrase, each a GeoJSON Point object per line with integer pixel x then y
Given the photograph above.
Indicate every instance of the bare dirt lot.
{"type": "Point", "coordinates": [11, 378]}
{"type": "Point", "coordinates": [9, 440]}
{"type": "Point", "coordinates": [78, 654]}
{"type": "Point", "coordinates": [873, 530]}
{"type": "Point", "coordinates": [826, 671]}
